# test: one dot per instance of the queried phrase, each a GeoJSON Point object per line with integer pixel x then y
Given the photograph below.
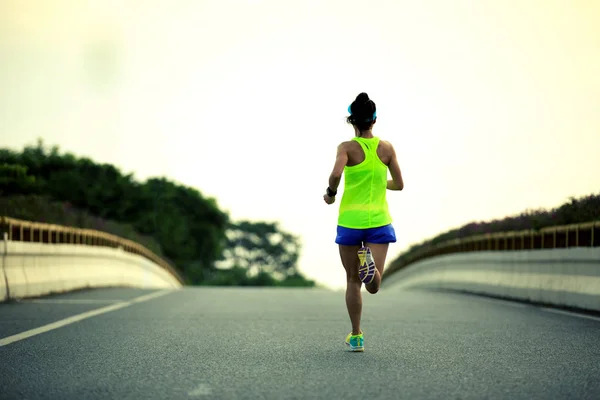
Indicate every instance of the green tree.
{"type": "Point", "coordinates": [189, 228]}
{"type": "Point", "coordinates": [262, 247]}
{"type": "Point", "coordinates": [14, 179]}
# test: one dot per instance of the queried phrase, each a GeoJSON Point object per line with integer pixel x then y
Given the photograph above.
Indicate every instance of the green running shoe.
{"type": "Point", "coordinates": [355, 342]}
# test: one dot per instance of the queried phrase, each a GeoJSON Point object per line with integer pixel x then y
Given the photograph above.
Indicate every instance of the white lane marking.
{"type": "Point", "coordinates": [150, 296]}
{"type": "Point", "coordinates": [69, 301]}
{"type": "Point", "coordinates": [79, 317]}
{"type": "Point", "coordinates": [572, 314]}
{"type": "Point", "coordinates": [200, 390]}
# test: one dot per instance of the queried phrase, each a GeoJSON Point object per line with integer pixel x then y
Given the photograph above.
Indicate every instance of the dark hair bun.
{"type": "Point", "coordinates": [362, 112]}
{"type": "Point", "coordinates": [362, 98]}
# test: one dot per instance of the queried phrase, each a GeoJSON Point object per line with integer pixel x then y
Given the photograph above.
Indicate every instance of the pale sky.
{"type": "Point", "coordinates": [493, 106]}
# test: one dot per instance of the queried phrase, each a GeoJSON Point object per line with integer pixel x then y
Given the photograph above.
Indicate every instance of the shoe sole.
{"type": "Point", "coordinates": [354, 349]}
{"type": "Point", "coordinates": [366, 270]}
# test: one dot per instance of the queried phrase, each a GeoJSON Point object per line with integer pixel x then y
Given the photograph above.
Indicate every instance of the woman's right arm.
{"type": "Point", "coordinates": [396, 183]}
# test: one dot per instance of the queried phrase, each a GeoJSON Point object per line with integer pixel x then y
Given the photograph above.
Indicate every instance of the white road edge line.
{"type": "Point", "coordinates": [572, 314]}
{"type": "Point", "coordinates": [70, 301]}
{"type": "Point", "coordinates": [79, 317]}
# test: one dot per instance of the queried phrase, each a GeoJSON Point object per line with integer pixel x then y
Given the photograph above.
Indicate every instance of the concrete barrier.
{"type": "Point", "coordinates": [567, 277]}
{"type": "Point", "coordinates": [36, 269]}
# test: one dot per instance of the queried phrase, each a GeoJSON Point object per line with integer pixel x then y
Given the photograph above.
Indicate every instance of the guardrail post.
{"type": "Point", "coordinates": [25, 231]}
{"type": "Point", "coordinates": [523, 241]}
{"type": "Point", "coordinates": [500, 241]}
{"type": "Point", "coordinates": [4, 253]}
{"type": "Point", "coordinates": [531, 239]}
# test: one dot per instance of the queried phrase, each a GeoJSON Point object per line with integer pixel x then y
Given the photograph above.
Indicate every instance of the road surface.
{"type": "Point", "coordinates": [253, 343]}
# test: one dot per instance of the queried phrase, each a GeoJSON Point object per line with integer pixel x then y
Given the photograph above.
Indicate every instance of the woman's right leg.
{"type": "Point", "coordinates": [378, 241]}
{"type": "Point", "coordinates": [379, 253]}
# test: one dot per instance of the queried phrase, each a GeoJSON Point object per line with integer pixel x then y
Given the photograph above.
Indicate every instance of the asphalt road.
{"type": "Point", "coordinates": [211, 343]}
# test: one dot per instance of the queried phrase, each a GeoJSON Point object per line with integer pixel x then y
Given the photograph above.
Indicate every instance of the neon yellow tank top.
{"type": "Point", "coordinates": [364, 204]}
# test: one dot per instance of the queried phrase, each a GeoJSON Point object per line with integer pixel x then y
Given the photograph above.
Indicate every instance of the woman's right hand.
{"type": "Point", "coordinates": [328, 199]}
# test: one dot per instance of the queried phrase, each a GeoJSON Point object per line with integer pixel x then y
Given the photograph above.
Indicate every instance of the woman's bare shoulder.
{"type": "Point", "coordinates": [348, 144]}
{"type": "Point", "coordinates": [387, 145]}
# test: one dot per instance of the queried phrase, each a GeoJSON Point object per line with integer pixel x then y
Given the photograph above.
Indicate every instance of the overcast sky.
{"type": "Point", "coordinates": [493, 106]}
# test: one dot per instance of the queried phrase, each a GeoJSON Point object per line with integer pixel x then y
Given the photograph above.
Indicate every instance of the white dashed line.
{"type": "Point", "coordinates": [200, 390]}
{"type": "Point", "coordinates": [572, 314]}
{"type": "Point", "coordinates": [79, 317]}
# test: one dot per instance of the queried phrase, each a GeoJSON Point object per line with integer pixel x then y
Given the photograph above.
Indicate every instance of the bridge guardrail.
{"type": "Point", "coordinates": [38, 232]}
{"type": "Point", "coordinates": [585, 234]}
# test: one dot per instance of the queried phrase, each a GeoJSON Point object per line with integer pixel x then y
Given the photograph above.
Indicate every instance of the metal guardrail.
{"type": "Point", "coordinates": [585, 234]}
{"type": "Point", "coordinates": [37, 232]}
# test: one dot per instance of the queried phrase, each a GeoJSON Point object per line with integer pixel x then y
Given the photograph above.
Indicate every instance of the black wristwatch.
{"type": "Point", "coordinates": [330, 192]}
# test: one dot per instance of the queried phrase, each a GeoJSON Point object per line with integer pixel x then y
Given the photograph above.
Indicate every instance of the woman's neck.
{"type": "Point", "coordinates": [364, 134]}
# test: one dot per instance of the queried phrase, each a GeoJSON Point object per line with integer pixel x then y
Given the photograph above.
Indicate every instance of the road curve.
{"type": "Point", "coordinates": [253, 343]}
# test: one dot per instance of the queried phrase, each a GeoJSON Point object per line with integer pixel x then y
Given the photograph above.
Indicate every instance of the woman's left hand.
{"type": "Point", "coordinates": [328, 199]}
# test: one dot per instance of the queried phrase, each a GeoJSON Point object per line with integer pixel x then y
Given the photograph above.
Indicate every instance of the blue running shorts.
{"type": "Point", "coordinates": [356, 237]}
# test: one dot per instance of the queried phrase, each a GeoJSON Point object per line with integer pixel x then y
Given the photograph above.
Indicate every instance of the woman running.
{"type": "Point", "coordinates": [364, 229]}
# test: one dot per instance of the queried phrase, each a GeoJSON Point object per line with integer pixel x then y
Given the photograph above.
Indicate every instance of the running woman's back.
{"type": "Point", "coordinates": [364, 204]}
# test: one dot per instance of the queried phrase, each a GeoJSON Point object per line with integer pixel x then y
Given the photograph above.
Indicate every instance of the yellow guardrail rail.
{"type": "Point", "coordinates": [37, 232]}
{"type": "Point", "coordinates": [585, 234]}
